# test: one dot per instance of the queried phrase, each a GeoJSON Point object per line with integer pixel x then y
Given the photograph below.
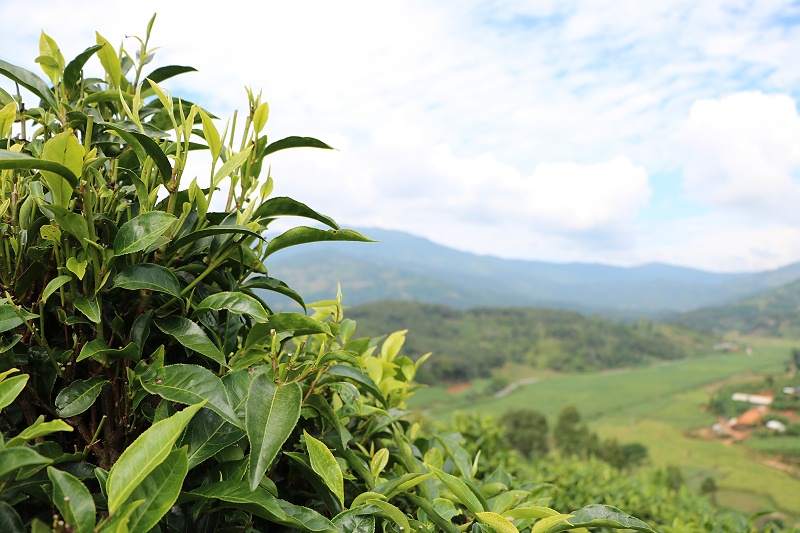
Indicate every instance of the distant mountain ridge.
{"type": "Point", "coordinates": [405, 267]}
{"type": "Point", "coordinates": [771, 313]}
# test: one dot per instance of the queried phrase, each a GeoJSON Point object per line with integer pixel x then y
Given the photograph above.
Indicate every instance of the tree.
{"type": "Point", "coordinates": [572, 437]}
{"type": "Point", "coordinates": [525, 430]}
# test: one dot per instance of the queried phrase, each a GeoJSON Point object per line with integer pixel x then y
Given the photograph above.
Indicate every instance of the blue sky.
{"type": "Point", "coordinates": [618, 132]}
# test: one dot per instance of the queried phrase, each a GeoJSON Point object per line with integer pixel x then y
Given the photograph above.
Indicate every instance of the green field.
{"type": "Point", "coordinates": [656, 405]}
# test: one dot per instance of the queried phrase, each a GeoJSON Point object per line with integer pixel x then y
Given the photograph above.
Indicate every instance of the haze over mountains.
{"type": "Point", "coordinates": [405, 267]}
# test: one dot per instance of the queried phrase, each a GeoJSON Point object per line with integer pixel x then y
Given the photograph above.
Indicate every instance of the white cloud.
{"type": "Point", "coordinates": [521, 128]}
{"type": "Point", "coordinates": [743, 151]}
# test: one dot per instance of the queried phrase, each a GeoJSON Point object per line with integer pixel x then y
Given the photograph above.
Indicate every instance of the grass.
{"type": "Point", "coordinates": [656, 406]}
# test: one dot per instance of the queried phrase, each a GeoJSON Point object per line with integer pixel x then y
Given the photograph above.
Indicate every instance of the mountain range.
{"type": "Point", "coordinates": [406, 267]}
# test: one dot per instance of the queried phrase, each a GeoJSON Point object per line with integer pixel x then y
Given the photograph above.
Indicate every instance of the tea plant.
{"type": "Point", "coordinates": [145, 383]}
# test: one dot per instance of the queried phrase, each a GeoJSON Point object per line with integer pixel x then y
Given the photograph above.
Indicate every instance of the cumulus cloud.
{"type": "Point", "coordinates": [743, 151]}
{"type": "Point", "coordinates": [524, 128]}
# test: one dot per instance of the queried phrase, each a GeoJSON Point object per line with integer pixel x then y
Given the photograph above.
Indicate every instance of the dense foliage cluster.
{"type": "Point", "coordinates": [144, 383]}
{"type": "Point", "coordinates": [659, 496]}
{"type": "Point", "coordinates": [470, 344]}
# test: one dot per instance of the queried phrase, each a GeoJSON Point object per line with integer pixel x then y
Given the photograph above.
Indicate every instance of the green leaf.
{"type": "Point", "coordinates": [10, 389]}
{"type": "Point", "coordinates": [164, 73]}
{"type": "Point", "coordinates": [261, 503]}
{"type": "Point", "coordinates": [149, 276]}
{"type": "Point", "coordinates": [73, 500]}
{"type": "Point", "coordinates": [54, 285]}
{"type": "Point", "coordinates": [297, 322]}
{"type": "Point", "coordinates": [274, 285]}
{"type": "Point", "coordinates": [260, 117]}
{"type": "Point", "coordinates": [305, 234]}
{"type": "Point", "coordinates": [393, 513]}
{"type": "Point", "coordinates": [10, 318]}
{"type": "Point", "coordinates": [211, 135]}
{"type": "Point", "coordinates": [460, 490]}
{"type": "Point", "coordinates": [231, 165]}
{"type": "Point", "coordinates": [140, 232]}
{"type": "Point", "coordinates": [10, 521]}
{"type": "Point", "coordinates": [79, 396]}
{"type": "Point", "coordinates": [14, 161]}
{"type": "Point", "coordinates": [90, 308]}
{"type": "Point", "coordinates": [294, 142]}
{"type": "Point", "coordinates": [30, 81]}
{"type": "Point", "coordinates": [64, 149]}
{"type": "Point", "coordinates": [546, 524]}
{"type": "Point", "coordinates": [285, 206]}
{"type": "Point", "coordinates": [143, 146]}
{"type": "Point", "coordinates": [597, 515]}
{"type": "Point", "coordinates": [76, 267]}
{"type": "Point", "coordinates": [71, 222]}
{"type": "Point", "coordinates": [443, 523]}
{"type": "Point", "coordinates": [210, 232]}
{"type": "Point", "coordinates": [148, 451]}
{"type": "Point", "coordinates": [13, 459]}
{"type": "Point", "coordinates": [159, 490]}
{"type": "Point", "coordinates": [353, 521]}
{"type": "Point", "coordinates": [235, 302]}
{"type": "Point", "coordinates": [190, 335]}
{"type": "Point", "coordinates": [39, 428]}
{"type": "Point", "coordinates": [72, 73]}
{"type": "Point", "coordinates": [207, 434]}
{"type": "Point", "coordinates": [324, 464]}
{"type": "Point", "coordinates": [359, 377]}
{"type": "Point", "coordinates": [98, 350]}
{"type": "Point", "coordinates": [272, 412]}
{"type": "Point", "coordinates": [109, 60]}
{"type": "Point", "coordinates": [8, 114]}
{"type": "Point", "coordinates": [189, 385]}
{"type": "Point", "coordinates": [496, 522]}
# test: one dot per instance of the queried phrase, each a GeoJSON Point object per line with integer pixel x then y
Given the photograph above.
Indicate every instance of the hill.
{"type": "Point", "coordinates": [474, 343]}
{"type": "Point", "coordinates": [405, 267]}
{"type": "Point", "coordinates": [771, 313]}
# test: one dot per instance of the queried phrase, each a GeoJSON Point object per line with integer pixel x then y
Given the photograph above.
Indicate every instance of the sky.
{"type": "Point", "coordinates": [606, 131]}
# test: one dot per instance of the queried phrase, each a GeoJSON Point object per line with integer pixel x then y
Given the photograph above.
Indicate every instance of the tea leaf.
{"type": "Point", "coordinates": [140, 232]}
{"type": "Point", "coordinates": [231, 165]}
{"type": "Point", "coordinates": [191, 384]}
{"type": "Point", "coordinates": [235, 302]}
{"type": "Point", "coordinates": [79, 396]}
{"type": "Point", "coordinates": [190, 335]}
{"type": "Point", "coordinates": [261, 503]}
{"type": "Point", "coordinates": [72, 72]}
{"type": "Point", "coordinates": [109, 60]}
{"type": "Point", "coordinates": [88, 307]}
{"type": "Point", "coordinates": [150, 277]}
{"type": "Point", "coordinates": [324, 464]}
{"type": "Point", "coordinates": [73, 500]}
{"type": "Point", "coordinates": [294, 142]}
{"type": "Point", "coordinates": [597, 515]}
{"type": "Point", "coordinates": [305, 234]}
{"type": "Point", "coordinates": [148, 451]}
{"type": "Point", "coordinates": [496, 522]}
{"type": "Point", "coordinates": [76, 267]}
{"type": "Point", "coordinates": [159, 490]}
{"type": "Point", "coordinates": [13, 161]}
{"type": "Point", "coordinates": [10, 389]}
{"type": "Point", "coordinates": [30, 81]}
{"type": "Point", "coordinates": [272, 412]}
{"type": "Point", "coordinates": [7, 117]}
{"type": "Point", "coordinates": [285, 206]}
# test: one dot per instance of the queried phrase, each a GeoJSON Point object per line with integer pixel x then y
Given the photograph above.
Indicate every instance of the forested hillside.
{"type": "Point", "coordinates": [771, 313]}
{"type": "Point", "coordinates": [472, 343]}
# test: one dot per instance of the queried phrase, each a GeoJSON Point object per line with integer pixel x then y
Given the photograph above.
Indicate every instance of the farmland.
{"type": "Point", "coordinates": [657, 406]}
